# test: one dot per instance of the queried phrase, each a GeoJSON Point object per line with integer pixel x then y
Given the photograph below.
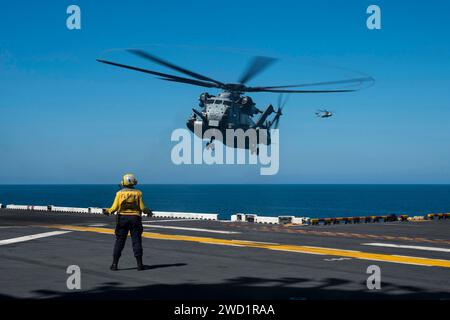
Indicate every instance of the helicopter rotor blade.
{"type": "Point", "coordinates": [190, 81]}
{"type": "Point", "coordinates": [280, 99]}
{"type": "Point", "coordinates": [160, 61]}
{"type": "Point", "coordinates": [297, 91]}
{"type": "Point", "coordinates": [284, 102]}
{"type": "Point", "coordinates": [276, 122]}
{"type": "Point", "coordinates": [257, 65]}
{"type": "Point", "coordinates": [164, 76]}
{"type": "Point", "coordinates": [354, 80]}
{"type": "Point", "coordinates": [281, 103]}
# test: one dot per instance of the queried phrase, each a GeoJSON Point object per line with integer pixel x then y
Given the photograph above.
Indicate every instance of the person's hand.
{"type": "Point", "coordinates": [148, 212]}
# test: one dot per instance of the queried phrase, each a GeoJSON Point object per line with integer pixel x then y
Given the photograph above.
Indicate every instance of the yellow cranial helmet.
{"type": "Point", "coordinates": [129, 180]}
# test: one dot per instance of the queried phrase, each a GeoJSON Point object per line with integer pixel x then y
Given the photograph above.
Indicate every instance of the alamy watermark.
{"type": "Point", "coordinates": [239, 147]}
{"type": "Point", "coordinates": [374, 280]}
{"type": "Point", "coordinates": [74, 280]}
{"type": "Point", "coordinates": [373, 22]}
{"type": "Point", "coordinates": [73, 21]}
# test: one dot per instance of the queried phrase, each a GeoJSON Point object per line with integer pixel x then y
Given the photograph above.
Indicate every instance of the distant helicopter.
{"type": "Point", "coordinates": [324, 114]}
{"type": "Point", "coordinates": [231, 109]}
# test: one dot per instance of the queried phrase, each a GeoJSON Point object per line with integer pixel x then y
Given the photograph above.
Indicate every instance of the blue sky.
{"type": "Point", "coordinates": [62, 113]}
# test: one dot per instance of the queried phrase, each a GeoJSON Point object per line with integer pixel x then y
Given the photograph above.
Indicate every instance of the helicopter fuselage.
{"type": "Point", "coordinates": [229, 111]}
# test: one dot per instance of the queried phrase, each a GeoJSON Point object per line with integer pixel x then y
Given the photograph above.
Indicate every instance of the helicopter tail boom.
{"type": "Point", "coordinates": [269, 110]}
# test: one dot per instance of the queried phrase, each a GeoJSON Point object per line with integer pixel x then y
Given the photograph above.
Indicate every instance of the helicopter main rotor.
{"type": "Point", "coordinates": [255, 67]}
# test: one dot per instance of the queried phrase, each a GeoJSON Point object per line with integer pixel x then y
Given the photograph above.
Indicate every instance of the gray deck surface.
{"type": "Point", "coordinates": [178, 269]}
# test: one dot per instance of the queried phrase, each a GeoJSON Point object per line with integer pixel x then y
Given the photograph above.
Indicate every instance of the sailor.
{"type": "Point", "coordinates": [129, 206]}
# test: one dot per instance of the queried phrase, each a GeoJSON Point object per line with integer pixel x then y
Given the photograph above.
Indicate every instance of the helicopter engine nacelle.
{"type": "Point", "coordinates": [248, 106]}
{"type": "Point", "coordinates": [247, 101]}
{"type": "Point", "coordinates": [203, 97]}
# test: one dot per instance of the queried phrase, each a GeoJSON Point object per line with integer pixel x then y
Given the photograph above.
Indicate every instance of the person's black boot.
{"type": "Point", "coordinates": [114, 264]}
{"type": "Point", "coordinates": [140, 265]}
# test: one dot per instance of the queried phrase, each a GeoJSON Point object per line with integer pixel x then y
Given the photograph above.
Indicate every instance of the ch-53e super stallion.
{"type": "Point", "coordinates": [231, 108]}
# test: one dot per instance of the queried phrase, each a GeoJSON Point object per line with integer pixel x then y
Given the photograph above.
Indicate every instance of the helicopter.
{"type": "Point", "coordinates": [324, 113]}
{"type": "Point", "coordinates": [231, 108]}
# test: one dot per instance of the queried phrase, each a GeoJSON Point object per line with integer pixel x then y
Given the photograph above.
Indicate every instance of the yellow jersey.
{"type": "Point", "coordinates": [128, 202]}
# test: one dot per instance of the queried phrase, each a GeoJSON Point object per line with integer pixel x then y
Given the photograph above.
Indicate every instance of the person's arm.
{"type": "Point", "coordinates": [141, 204]}
{"type": "Point", "coordinates": [115, 205]}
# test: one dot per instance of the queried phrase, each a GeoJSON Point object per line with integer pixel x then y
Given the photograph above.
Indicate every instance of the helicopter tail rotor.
{"type": "Point", "coordinates": [276, 120]}
{"type": "Point", "coordinates": [279, 113]}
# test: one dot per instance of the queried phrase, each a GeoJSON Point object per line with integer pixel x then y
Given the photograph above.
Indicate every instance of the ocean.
{"type": "Point", "coordinates": [268, 200]}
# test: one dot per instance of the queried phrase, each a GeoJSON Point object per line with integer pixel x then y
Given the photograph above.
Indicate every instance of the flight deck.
{"type": "Point", "coordinates": [202, 259]}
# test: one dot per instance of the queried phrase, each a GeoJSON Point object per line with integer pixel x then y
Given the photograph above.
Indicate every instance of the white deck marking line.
{"type": "Point", "coordinates": [10, 227]}
{"type": "Point", "coordinates": [98, 225]}
{"type": "Point", "coordinates": [391, 245]}
{"type": "Point", "coordinates": [337, 259]}
{"type": "Point", "coordinates": [189, 229]}
{"type": "Point", "coordinates": [32, 237]}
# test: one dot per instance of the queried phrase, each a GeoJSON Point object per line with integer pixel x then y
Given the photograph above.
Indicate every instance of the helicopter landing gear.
{"type": "Point", "coordinates": [210, 144]}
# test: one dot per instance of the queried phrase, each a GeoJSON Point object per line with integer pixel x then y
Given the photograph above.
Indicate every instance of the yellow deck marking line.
{"type": "Point", "coordinates": [277, 247]}
{"type": "Point", "coordinates": [350, 235]}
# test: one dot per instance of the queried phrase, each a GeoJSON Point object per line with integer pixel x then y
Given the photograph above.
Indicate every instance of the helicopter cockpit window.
{"type": "Point", "coordinates": [227, 103]}
{"type": "Point", "coordinates": [209, 101]}
{"type": "Point", "coordinates": [218, 101]}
